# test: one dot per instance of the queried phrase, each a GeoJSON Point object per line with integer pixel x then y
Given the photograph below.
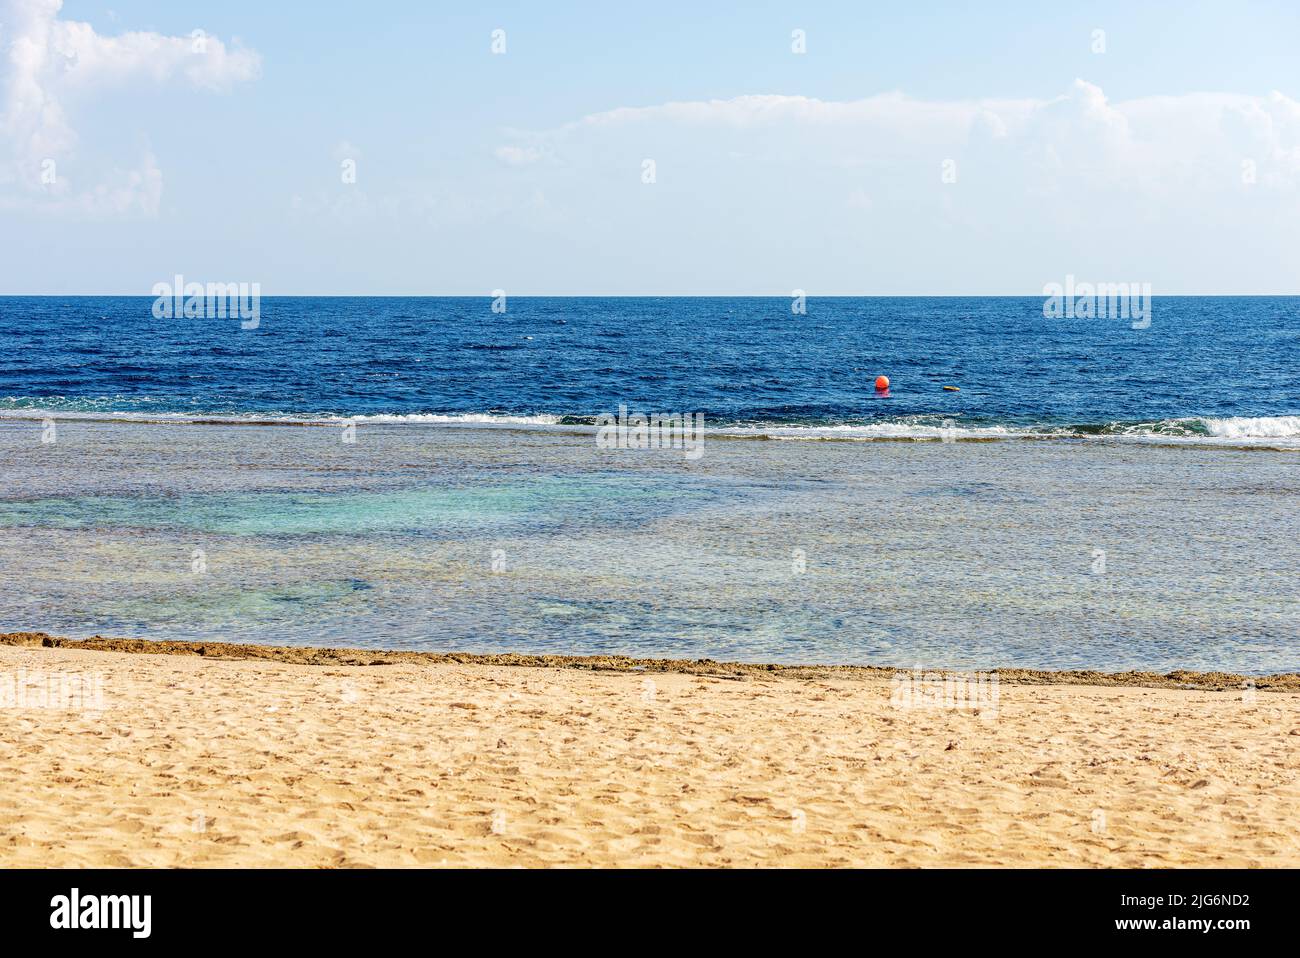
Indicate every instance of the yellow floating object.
{"type": "Point", "coordinates": [951, 389]}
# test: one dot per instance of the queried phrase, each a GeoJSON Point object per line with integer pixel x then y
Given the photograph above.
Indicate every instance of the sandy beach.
{"type": "Point", "coordinates": [193, 760]}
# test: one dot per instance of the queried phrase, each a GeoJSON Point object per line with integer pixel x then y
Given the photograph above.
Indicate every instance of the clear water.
{"type": "Point", "coordinates": [965, 554]}
{"type": "Point", "coordinates": [1137, 509]}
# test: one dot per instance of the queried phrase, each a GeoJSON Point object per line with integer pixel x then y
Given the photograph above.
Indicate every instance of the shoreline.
{"type": "Point", "coordinates": [335, 656]}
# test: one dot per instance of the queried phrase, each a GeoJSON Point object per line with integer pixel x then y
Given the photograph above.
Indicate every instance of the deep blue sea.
{"type": "Point", "coordinates": [1205, 367]}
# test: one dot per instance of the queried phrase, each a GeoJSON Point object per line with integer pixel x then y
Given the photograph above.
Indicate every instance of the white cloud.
{"type": "Point", "coordinates": [135, 191]}
{"type": "Point", "coordinates": [897, 194]}
{"type": "Point", "coordinates": [518, 155]}
{"type": "Point", "coordinates": [1080, 133]}
{"type": "Point", "coordinates": [51, 67]}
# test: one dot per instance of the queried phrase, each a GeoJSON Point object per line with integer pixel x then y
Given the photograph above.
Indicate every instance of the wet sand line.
{"type": "Point", "coordinates": [740, 671]}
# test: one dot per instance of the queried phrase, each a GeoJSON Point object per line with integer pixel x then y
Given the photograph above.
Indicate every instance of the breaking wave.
{"type": "Point", "coordinates": [1282, 432]}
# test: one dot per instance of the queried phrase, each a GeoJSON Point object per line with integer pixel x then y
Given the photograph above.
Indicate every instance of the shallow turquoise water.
{"type": "Point", "coordinates": [478, 510]}
{"type": "Point", "coordinates": [911, 554]}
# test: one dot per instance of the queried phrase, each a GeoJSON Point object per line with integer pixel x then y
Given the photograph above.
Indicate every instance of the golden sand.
{"type": "Point", "coordinates": [176, 760]}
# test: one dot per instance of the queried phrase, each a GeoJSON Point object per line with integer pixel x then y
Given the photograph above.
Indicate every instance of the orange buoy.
{"type": "Point", "coordinates": [882, 383]}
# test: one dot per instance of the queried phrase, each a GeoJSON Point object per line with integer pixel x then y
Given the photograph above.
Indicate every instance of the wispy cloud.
{"type": "Point", "coordinates": [53, 67]}
{"type": "Point", "coordinates": [1194, 139]}
{"type": "Point", "coordinates": [900, 194]}
{"type": "Point", "coordinates": [518, 155]}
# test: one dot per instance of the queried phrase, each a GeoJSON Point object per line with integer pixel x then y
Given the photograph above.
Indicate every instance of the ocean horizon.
{"type": "Point", "coordinates": [1207, 369]}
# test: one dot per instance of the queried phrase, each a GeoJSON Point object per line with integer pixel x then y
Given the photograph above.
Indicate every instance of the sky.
{"type": "Point", "coordinates": [409, 148]}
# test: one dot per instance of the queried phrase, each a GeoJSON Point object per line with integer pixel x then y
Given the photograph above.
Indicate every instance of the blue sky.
{"type": "Point", "coordinates": [914, 148]}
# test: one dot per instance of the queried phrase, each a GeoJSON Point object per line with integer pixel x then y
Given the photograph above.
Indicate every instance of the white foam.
{"type": "Point", "coordinates": [1263, 427]}
{"type": "Point", "coordinates": [1280, 432]}
{"type": "Point", "coordinates": [877, 430]}
{"type": "Point", "coordinates": [465, 419]}
{"type": "Point", "coordinates": [457, 419]}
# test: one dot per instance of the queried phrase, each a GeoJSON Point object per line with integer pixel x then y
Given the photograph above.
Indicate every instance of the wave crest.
{"type": "Point", "coordinates": [1281, 432]}
{"type": "Point", "coordinates": [1262, 427]}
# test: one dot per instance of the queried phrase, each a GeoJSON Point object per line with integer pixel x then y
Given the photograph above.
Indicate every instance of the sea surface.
{"type": "Point", "coordinates": [1206, 367]}
{"type": "Point", "coordinates": [423, 474]}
